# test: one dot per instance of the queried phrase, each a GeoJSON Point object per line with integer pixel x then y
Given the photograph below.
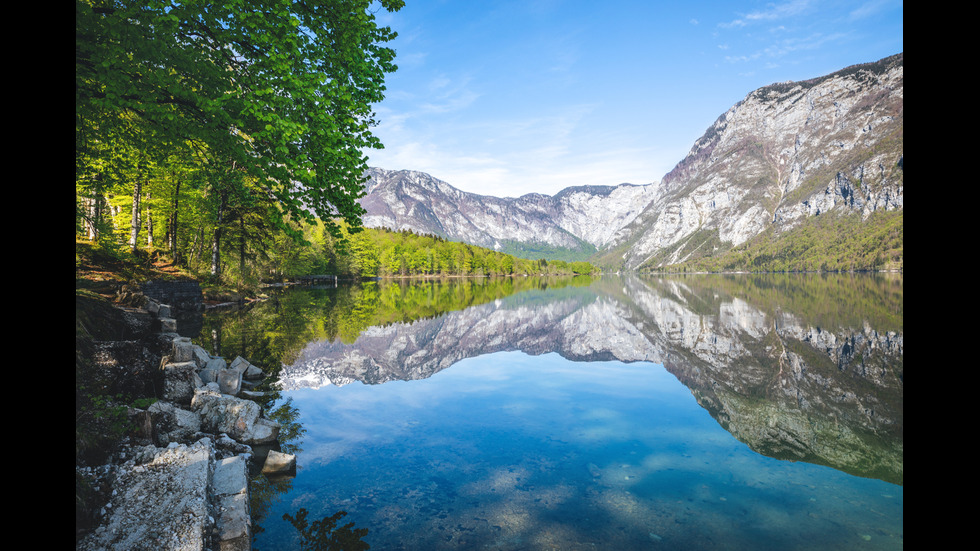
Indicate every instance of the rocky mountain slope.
{"type": "Point", "coordinates": [577, 221]}
{"type": "Point", "coordinates": [787, 153]}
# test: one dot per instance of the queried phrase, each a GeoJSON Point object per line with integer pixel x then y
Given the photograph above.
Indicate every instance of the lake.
{"type": "Point", "coordinates": [683, 412]}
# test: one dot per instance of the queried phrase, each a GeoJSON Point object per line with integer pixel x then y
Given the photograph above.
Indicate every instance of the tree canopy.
{"type": "Point", "coordinates": [273, 93]}
{"type": "Point", "coordinates": [237, 129]}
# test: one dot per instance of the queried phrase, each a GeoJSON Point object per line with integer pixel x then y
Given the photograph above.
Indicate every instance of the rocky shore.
{"type": "Point", "coordinates": [180, 478]}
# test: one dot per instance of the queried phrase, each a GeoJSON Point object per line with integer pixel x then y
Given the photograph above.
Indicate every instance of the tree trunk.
{"type": "Point", "coordinates": [94, 215]}
{"type": "Point", "coordinates": [149, 222]}
{"type": "Point", "coordinates": [216, 238]}
{"type": "Point", "coordinates": [94, 221]}
{"type": "Point", "coordinates": [134, 231]}
{"type": "Point", "coordinates": [172, 225]}
{"type": "Point", "coordinates": [241, 247]}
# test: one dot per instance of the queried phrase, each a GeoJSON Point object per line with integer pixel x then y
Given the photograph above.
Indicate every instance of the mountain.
{"type": "Point", "coordinates": [782, 157]}
{"type": "Point", "coordinates": [571, 225]}
{"type": "Point", "coordinates": [824, 153]}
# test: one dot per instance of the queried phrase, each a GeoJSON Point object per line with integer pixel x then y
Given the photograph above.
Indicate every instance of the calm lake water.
{"type": "Point", "coordinates": [697, 412]}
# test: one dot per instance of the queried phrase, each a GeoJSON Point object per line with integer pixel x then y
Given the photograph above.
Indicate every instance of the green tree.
{"type": "Point", "coordinates": [281, 89]}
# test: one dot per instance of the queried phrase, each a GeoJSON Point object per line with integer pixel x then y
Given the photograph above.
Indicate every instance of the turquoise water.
{"type": "Point", "coordinates": [699, 412]}
{"type": "Point", "coordinates": [515, 451]}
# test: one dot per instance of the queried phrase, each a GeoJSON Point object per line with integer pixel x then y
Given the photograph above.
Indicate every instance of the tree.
{"type": "Point", "coordinates": [281, 88]}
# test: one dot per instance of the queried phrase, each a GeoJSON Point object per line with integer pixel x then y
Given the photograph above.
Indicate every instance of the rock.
{"type": "Point", "coordinates": [210, 372]}
{"type": "Point", "coordinates": [208, 375]}
{"type": "Point", "coordinates": [184, 495]}
{"type": "Point", "coordinates": [230, 484]}
{"type": "Point", "coordinates": [238, 418]}
{"type": "Point", "coordinates": [228, 445]}
{"type": "Point", "coordinates": [182, 350]}
{"type": "Point", "coordinates": [187, 351]}
{"type": "Point", "coordinates": [131, 295]}
{"type": "Point", "coordinates": [159, 501]}
{"type": "Point", "coordinates": [229, 381]}
{"type": "Point", "coordinates": [165, 311]}
{"type": "Point", "coordinates": [278, 463]}
{"type": "Point", "coordinates": [180, 380]}
{"type": "Point", "coordinates": [173, 424]}
{"type": "Point", "coordinates": [168, 325]}
{"type": "Point", "coordinates": [264, 431]}
{"type": "Point", "coordinates": [247, 370]}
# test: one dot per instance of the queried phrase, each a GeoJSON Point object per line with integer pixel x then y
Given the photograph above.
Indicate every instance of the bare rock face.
{"type": "Point", "coordinates": [786, 152]}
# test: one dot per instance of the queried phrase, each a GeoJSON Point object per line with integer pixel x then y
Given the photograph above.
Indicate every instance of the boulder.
{"type": "Point", "coordinates": [168, 325]}
{"type": "Point", "coordinates": [158, 501]}
{"type": "Point", "coordinates": [131, 295]}
{"type": "Point", "coordinates": [230, 482]}
{"type": "Point", "coordinates": [238, 418]}
{"type": "Point", "coordinates": [247, 370]}
{"type": "Point", "coordinates": [264, 431]}
{"type": "Point", "coordinates": [180, 380]}
{"type": "Point", "coordinates": [278, 463]}
{"type": "Point", "coordinates": [173, 424]}
{"type": "Point", "coordinates": [186, 351]}
{"type": "Point", "coordinates": [229, 381]}
{"type": "Point", "coordinates": [210, 372]}
{"type": "Point", "coordinates": [229, 446]}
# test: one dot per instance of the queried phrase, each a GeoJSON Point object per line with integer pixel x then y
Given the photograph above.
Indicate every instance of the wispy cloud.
{"type": "Point", "coordinates": [871, 9]}
{"type": "Point", "coordinates": [774, 12]}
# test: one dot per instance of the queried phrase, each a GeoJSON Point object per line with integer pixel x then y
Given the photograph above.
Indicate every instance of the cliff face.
{"type": "Point", "coordinates": [787, 152]}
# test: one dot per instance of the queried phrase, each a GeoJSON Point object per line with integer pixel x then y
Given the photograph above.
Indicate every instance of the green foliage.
{"type": "Point", "coordinates": [143, 403]}
{"type": "Point", "coordinates": [824, 243]}
{"type": "Point", "coordinates": [222, 128]}
{"type": "Point", "coordinates": [384, 253]}
{"type": "Point", "coordinates": [534, 251]}
{"type": "Point", "coordinates": [282, 93]}
{"type": "Point", "coordinates": [100, 422]}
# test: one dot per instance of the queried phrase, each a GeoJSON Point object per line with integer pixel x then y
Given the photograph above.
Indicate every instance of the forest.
{"type": "Point", "coordinates": [824, 243]}
{"type": "Point", "coordinates": [233, 141]}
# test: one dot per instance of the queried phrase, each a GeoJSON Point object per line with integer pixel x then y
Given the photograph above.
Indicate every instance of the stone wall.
{"type": "Point", "coordinates": [180, 295]}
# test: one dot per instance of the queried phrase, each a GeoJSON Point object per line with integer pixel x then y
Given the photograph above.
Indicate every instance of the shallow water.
{"type": "Point", "coordinates": [510, 451]}
{"type": "Point", "coordinates": [619, 416]}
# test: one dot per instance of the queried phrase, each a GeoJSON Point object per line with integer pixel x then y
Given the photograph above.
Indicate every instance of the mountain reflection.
{"type": "Point", "coordinates": [799, 367]}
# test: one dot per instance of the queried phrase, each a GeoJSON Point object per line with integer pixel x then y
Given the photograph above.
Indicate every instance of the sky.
{"type": "Point", "coordinates": [508, 97]}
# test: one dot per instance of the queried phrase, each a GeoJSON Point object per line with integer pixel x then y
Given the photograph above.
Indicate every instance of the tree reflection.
{"type": "Point", "coordinates": [325, 535]}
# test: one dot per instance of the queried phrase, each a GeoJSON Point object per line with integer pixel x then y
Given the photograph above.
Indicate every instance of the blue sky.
{"type": "Point", "coordinates": [502, 97]}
